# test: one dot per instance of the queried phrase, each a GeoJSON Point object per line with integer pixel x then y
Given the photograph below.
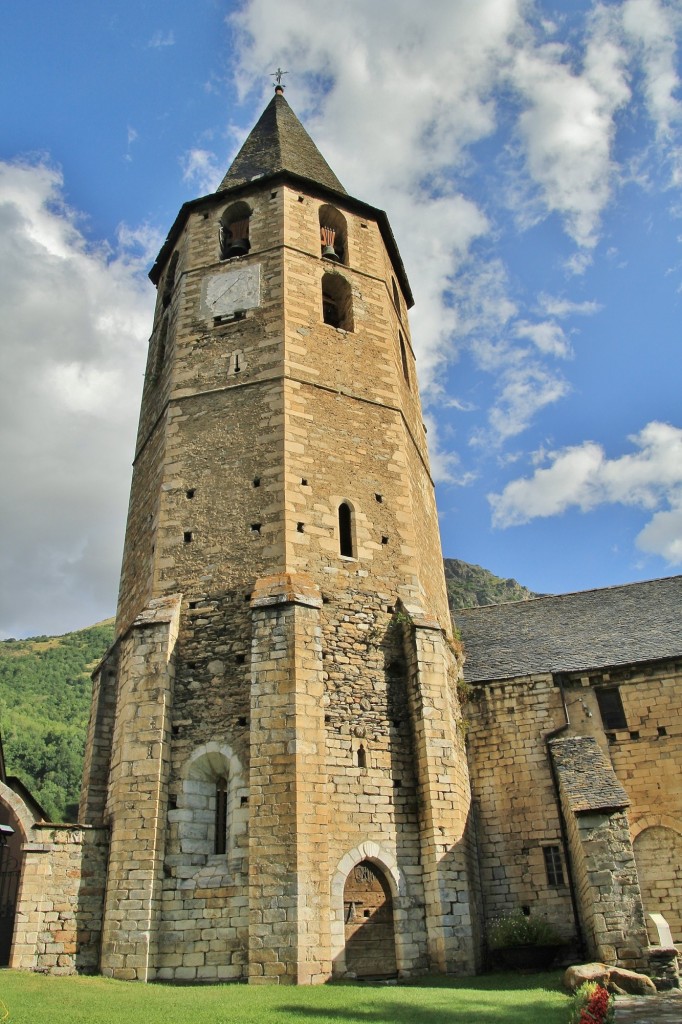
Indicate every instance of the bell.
{"type": "Point", "coordinates": [329, 253]}
{"type": "Point", "coordinates": [236, 247]}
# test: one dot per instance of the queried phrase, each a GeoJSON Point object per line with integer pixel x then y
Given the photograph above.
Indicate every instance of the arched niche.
{"type": "Point", "coordinates": [658, 855]}
{"type": "Point", "coordinates": [337, 302]}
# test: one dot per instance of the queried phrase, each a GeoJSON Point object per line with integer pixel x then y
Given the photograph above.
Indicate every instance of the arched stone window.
{"type": "Point", "coordinates": [234, 231]}
{"type": "Point", "coordinates": [346, 540]}
{"type": "Point", "coordinates": [169, 280]}
{"type": "Point", "coordinates": [333, 235]}
{"type": "Point", "coordinates": [403, 359]}
{"type": "Point", "coordinates": [160, 350]}
{"type": "Point", "coordinates": [337, 302]}
{"type": "Point", "coordinates": [211, 804]}
{"type": "Point", "coordinates": [396, 296]}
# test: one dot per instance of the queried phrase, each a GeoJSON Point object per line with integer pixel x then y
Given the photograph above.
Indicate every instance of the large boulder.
{"type": "Point", "coordinates": [631, 982]}
{"type": "Point", "coordinates": [615, 979]}
{"type": "Point", "coordinates": [580, 973]}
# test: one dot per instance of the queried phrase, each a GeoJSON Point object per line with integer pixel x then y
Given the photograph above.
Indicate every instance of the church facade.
{"type": "Point", "coordinates": [277, 786]}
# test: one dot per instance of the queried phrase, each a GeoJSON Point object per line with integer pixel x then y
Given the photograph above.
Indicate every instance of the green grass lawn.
{"type": "Point", "coordinates": [491, 999]}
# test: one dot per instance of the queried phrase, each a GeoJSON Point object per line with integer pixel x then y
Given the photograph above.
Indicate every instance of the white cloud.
{"type": "Point", "coordinates": [201, 170]}
{"type": "Point", "coordinates": [547, 336]}
{"type": "Point", "coordinates": [75, 321]}
{"type": "Point", "coordinates": [583, 477]}
{"type": "Point", "coordinates": [552, 305]}
{"type": "Point", "coordinates": [161, 39]}
{"type": "Point", "coordinates": [651, 26]}
{"type": "Point", "coordinates": [567, 125]}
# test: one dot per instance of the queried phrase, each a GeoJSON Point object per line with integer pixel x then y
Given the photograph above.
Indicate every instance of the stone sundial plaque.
{"type": "Point", "coordinates": [231, 291]}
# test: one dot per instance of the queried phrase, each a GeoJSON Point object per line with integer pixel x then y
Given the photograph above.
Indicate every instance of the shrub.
{"type": "Point", "coordinates": [517, 929]}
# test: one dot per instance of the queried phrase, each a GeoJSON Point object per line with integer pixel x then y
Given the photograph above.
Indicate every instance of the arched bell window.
{"type": "Point", "coordinates": [169, 280]}
{"type": "Point", "coordinates": [333, 235]}
{"type": "Point", "coordinates": [346, 545]}
{"type": "Point", "coordinates": [337, 302]}
{"type": "Point", "coordinates": [234, 231]}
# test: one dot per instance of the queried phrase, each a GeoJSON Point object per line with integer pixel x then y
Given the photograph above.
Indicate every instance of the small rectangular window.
{"type": "Point", "coordinates": [611, 708]}
{"type": "Point", "coordinates": [553, 866]}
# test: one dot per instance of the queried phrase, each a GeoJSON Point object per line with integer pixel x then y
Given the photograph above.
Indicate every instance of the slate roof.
{"type": "Point", "coordinates": [279, 142]}
{"type": "Point", "coordinates": [586, 775]}
{"type": "Point", "coordinates": [622, 625]}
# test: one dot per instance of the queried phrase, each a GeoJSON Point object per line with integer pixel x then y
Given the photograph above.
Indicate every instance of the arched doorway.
{"type": "Point", "coordinates": [10, 871]}
{"type": "Point", "coordinates": [368, 917]}
{"type": "Point", "coordinates": [658, 854]}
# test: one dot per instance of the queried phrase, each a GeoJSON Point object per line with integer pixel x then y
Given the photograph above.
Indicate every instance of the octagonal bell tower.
{"type": "Point", "coordinates": [275, 738]}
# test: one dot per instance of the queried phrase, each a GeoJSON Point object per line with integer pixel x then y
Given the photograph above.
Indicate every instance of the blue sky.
{"type": "Point", "coordinates": [530, 161]}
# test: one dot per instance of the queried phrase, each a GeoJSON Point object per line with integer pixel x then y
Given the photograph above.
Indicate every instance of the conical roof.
{"type": "Point", "coordinates": [279, 142]}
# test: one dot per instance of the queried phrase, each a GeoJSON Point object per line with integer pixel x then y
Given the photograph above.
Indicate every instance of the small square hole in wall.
{"type": "Point", "coordinates": [256, 481]}
{"type": "Point", "coordinates": [191, 664]}
{"type": "Point", "coordinates": [173, 802]}
{"type": "Point", "coordinates": [304, 482]}
{"type": "Point", "coordinates": [525, 910]}
{"type": "Point", "coordinates": [634, 735]}
{"type": "Point", "coordinates": [327, 719]}
{"type": "Point", "coordinates": [247, 597]}
{"type": "Point", "coordinates": [661, 730]}
{"type": "Point", "coordinates": [240, 659]}
{"type": "Point", "coordinates": [190, 493]}
{"type": "Point", "coordinates": [397, 783]}
{"type": "Point", "coordinates": [300, 528]}
{"type": "Point", "coordinates": [273, 195]}
{"type": "Point", "coordinates": [187, 537]}
{"type": "Point", "coordinates": [610, 737]}
{"type": "Point", "coordinates": [244, 801]}
{"type": "Point", "coordinates": [255, 527]}
{"type": "Point", "coordinates": [242, 720]}
{"type": "Point", "coordinates": [194, 604]}
{"type": "Point", "coordinates": [367, 913]}
{"type": "Point", "coordinates": [396, 723]}
{"type": "Point", "coordinates": [379, 497]}
{"type": "Point", "coordinates": [384, 540]}
{"type": "Point", "coordinates": [301, 199]}
{"type": "Point", "coordinates": [205, 216]}
{"type": "Point", "coordinates": [176, 732]}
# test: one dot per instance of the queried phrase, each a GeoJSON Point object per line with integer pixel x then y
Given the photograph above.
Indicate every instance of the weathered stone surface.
{"type": "Point", "coordinates": [578, 974]}
{"type": "Point", "coordinates": [631, 982]}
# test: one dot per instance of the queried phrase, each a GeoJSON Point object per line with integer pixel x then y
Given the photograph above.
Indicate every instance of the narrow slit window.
{"type": "Point", "coordinates": [220, 844]}
{"type": "Point", "coordinates": [396, 298]}
{"type": "Point", "coordinates": [403, 359]}
{"type": "Point", "coordinates": [362, 757]}
{"type": "Point", "coordinates": [346, 530]}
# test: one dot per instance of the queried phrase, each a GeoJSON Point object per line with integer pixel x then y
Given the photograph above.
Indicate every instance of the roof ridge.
{"type": "Point", "coordinates": [570, 593]}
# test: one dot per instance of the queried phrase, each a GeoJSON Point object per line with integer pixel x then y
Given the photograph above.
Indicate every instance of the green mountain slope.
{"type": "Point", "coordinates": [44, 706]}
{"type": "Point", "coordinates": [470, 586]}
{"type": "Point", "coordinates": [45, 692]}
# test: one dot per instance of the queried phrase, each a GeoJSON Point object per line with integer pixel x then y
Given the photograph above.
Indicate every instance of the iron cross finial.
{"type": "Point", "coordinates": [278, 75]}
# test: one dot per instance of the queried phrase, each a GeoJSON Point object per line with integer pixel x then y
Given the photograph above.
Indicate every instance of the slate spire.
{"type": "Point", "coordinates": [279, 142]}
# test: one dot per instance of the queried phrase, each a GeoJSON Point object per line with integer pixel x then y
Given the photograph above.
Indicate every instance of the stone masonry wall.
{"type": "Point", "coordinates": [517, 805]}
{"type": "Point", "coordinates": [59, 908]}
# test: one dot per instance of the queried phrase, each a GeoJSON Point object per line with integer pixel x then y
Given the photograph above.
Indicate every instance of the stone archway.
{"type": "Point", "coordinates": [13, 812]}
{"type": "Point", "coordinates": [658, 855]}
{"type": "Point", "coordinates": [368, 922]}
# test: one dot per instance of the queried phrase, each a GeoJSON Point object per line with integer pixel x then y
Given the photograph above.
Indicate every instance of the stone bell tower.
{"type": "Point", "coordinates": [275, 738]}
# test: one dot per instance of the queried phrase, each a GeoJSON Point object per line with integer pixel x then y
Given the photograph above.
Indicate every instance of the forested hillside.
{"type": "Point", "coordinates": [44, 705]}
{"type": "Point", "coordinates": [470, 586]}
{"type": "Point", "coordinates": [45, 692]}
